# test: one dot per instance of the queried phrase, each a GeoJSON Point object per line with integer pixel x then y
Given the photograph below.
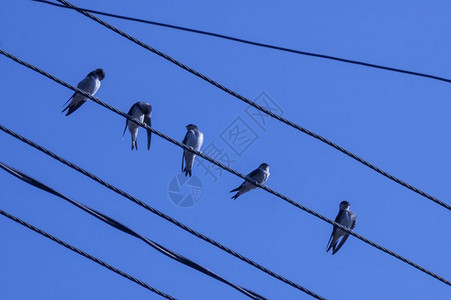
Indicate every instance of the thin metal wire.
{"type": "Point", "coordinates": [112, 222]}
{"type": "Point", "coordinates": [266, 111]}
{"type": "Point", "coordinates": [159, 213]}
{"type": "Point", "coordinates": [244, 41]}
{"type": "Point", "coordinates": [277, 194]}
{"type": "Point", "coordinates": [87, 255]}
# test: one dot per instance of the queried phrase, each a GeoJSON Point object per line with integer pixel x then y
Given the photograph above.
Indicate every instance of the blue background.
{"type": "Point", "coordinates": [399, 122]}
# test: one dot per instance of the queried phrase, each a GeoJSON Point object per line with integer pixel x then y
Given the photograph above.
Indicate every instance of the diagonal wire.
{"type": "Point", "coordinates": [222, 166]}
{"type": "Point", "coordinates": [159, 213]}
{"type": "Point", "coordinates": [135, 200]}
{"type": "Point", "coordinates": [110, 221]}
{"type": "Point", "coordinates": [87, 255]}
{"type": "Point", "coordinates": [266, 111]}
{"type": "Point", "coordinates": [263, 45]}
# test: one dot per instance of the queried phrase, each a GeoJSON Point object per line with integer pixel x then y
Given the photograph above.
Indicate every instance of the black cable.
{"type": "Point", "coordinates": [158, 213]}
{"type": "Point", "coordinates": [82, 253]}
{"type": "Point", "coordinates": [226, 37]}
{"type": "Point", "coordinates": [110, 221]}
{"type": "Point", "coordinates": [252, 103]}
{"type": "Point", "coordinates": [222, 166]}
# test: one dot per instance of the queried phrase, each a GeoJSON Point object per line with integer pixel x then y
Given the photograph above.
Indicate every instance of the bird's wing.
{"type": "Point", "coordinates": [339, 217]}
{"type": "Point", "coordinates": [185, 140]}
{"type": "Point", "coordinates": [130, 113]}
{"type": "Point", "coordinates": [346, 235]}
{"type": "Point", "coordinates": [132, 109]}
{"type": "Point", "coordinates": [254, 173]}
{"type": "Point", "coordinates": [148, 121]}
{"type": "Point", "coordinates": [333, 238]}
{"type": "Point", "coordinates": [189, 138]}
{"type": "Point", "coordinates": [88, 84]}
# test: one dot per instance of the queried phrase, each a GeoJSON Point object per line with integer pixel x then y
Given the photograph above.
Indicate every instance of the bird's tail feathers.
{"type": "Point", "coordinates": [74, 107]}
{"type": "Point", "coordinates": [149, 138]}
{"type": "Point", "coordinates": [237, 189]}
{"type": "Point", "coordinates": [71, 97]}
{"type": "Point", "coordinates": [71, 110]}
{"type": "Point", "coordinates": [329, 244]}
{"type": "Point", "coordinates": [337, 247]}
{"type": "Point", "coordinates": [125, 129]}
{"type": "Point", "coordinates": [187, 170]}
{"type": "Point", "coordinates": [236, 196]}
{"type": "Point", "coordinates": [234, 190]}
{"type": "Point", "coordinates": [334, 237]}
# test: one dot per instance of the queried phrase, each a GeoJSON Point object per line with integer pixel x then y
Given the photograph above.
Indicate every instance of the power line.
{"type": "Point", "coordinates": [110, 221]}
{"type": "Point", "coordinates": [252, 103]}
{"type": "Point", "coordinates": [158, 213]}
{"type": "Point", "coordinates": [87, 255]}
{"type": "Point", "coordinates": [222, 166]}
{"type": "Point", "coordinates": [244, 41]}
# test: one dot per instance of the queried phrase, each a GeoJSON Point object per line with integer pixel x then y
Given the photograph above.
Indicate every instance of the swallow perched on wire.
{"type": "Point", "coordinates": [260, 175]}
{"type": "Point", "coordinates": [90, 84]}
{"type": "Point", "coordinates": [346, 218]}
{"type": "Point", "coordinates": [193, 139]}
{"type": "Point", "coordinates": [143, 112]}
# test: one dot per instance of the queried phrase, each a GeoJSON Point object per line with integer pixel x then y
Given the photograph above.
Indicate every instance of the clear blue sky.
{"type": "Point", "coordinates": [399, 122]}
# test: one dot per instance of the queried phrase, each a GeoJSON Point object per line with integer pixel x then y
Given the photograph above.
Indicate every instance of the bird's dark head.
{"type": "Point", "coordinates": [146, 108]}
{"type": "Point", "coordinates": [344, 205]}
{"type": "Point", "coordinates": [264, 166]}
{"type": "Point", "coordinates": [191, 127]}
{"type": "Point", "coordinates": [99, 73]}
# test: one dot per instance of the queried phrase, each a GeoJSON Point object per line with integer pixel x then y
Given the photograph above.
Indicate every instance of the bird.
{"type": "Point", "coordinates": [143, 112]}
{"type": "Point", "coordinates": [260, 175]}
{"type": "Point", "coordinates": [193, 139]}
{"type": "Point", "coordinates": [90, 84]}
{"type": "Point", "coordinates": [346, 218]}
